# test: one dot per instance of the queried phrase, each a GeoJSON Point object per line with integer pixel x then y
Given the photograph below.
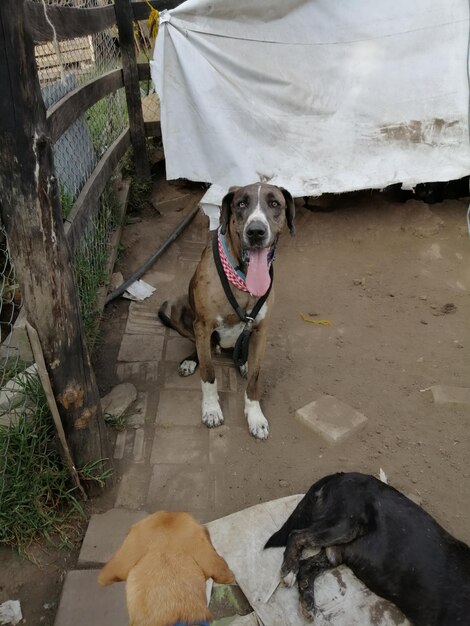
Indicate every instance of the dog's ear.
{"type": "Point", "coordinates": [226, 210]}
{"type": "Point", "coordinates": [290, 210]}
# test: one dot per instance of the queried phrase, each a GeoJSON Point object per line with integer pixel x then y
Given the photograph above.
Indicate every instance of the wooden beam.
{"type": "Point", "coordinates": [153, 129]}
{"type": "Point", "coordinates": [69, 108]}
{"type": "Point", "coordinates": [87, 202]}
{"type": "Point", "coordinates": [124, 17]}
{"type": "Point", "coordinates": [30, 210]}
{"type": "Point", "coordinates": [144, 71]}
{"type": "Point", "coordinates": [68, 22]}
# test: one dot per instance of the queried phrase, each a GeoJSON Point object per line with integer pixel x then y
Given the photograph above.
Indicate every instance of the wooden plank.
{"type": "Point", "coordinates": [69, 22]}
{"type": "Point", "coordinates": [153, 129]}
{"type": "Point", "coordinates": [69, 108]}
{"type": "Point", "coordinates": [87, 202]}
{"type": "Point", "coordinates": [74, 56]}
{"type": "Point", "coordinates": [144, 71]}
{"type": "Point", "coordinates": [124, 17]}
{"type": "Point", "coordinates": [31, 212]}
{"type": "Point", "coordinates": [79, 43]}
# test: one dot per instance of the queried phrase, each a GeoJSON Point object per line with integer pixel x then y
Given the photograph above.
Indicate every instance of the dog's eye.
{"type": "Point", "coordinates": [242, 205]}
{"type": "Point", "coordinates": [274, 204]}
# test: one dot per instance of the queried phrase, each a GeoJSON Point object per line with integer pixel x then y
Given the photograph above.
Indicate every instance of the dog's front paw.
{"type": "Point", "coordinates": [289, 579]}
{"type": "Point", "coordinates": [212, 417]}
{"type": "Point", "coordinates": [243, 369]}
{"type": "Point", "coordinates": [257, 423]}
{"type": "Point", "coordinates": [308, 608]}
{"type": "Point", "coordinates": [187, 367]}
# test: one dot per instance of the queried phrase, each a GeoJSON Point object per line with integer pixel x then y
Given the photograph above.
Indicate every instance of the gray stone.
{"type": "Point", "coordinates": [104, 535]}
{"type": "Point", "coordinates": [84, 602]}
{"type": "Point", "coordinates": [180, 444]}
{"type": "Point", "coordinates": [139, 413]}
{"type": "Point", "coordinates": [331, 418]}
{"type": "Point", "coordinates": [138, 450]}
{"type": "Point", "coordinates": [120, 444]}
{"type": "Point", "coordinates": [141, 348]}
{"type": "Point", "coordinates": [186, 412]}
{"type": "Point", "coordinates": [443, 394]}
{"type": "Point", "coordinates": [179, 488]}
{"type": "Point", "coordinates": [143, 320]}
{"type": "Point", "coordinates": [119, 399]}
{"type": "Point", "coordinates": [16, 345]}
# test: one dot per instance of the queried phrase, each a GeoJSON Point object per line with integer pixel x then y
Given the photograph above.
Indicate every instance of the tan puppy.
{"type": "Point", "coordinates": [166, 559]}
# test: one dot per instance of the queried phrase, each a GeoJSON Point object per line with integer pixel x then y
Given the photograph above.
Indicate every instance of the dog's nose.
{"type": "Point", "coordinates": [256, 231]}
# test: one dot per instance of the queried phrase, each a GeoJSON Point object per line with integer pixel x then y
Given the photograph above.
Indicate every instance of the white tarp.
{"type": "Point", "coordinates": [315, 95]}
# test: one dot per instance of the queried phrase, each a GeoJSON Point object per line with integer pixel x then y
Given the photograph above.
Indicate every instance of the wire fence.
{"type": "Point", "coordinates": [62, 67]}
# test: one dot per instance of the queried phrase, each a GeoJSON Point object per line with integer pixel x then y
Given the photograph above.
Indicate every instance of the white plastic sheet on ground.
{"type": "Point", "coordinates": [314, 95]}
{"type": "Point", "coordinates": [341, 599]}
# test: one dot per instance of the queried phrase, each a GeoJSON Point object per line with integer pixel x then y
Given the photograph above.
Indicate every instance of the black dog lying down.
{"type": "Point", "coordinates": [392, 545]}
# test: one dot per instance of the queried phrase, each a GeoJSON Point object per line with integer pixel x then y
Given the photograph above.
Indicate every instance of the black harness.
{"type": "Point", "coordinates": [240, 352]}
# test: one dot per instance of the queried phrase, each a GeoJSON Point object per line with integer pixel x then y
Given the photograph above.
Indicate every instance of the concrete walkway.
{"type": "Point", "coordinates": [165, 458]}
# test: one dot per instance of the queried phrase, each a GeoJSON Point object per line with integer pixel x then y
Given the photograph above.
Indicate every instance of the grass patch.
{"type": "Point", "coordinates": [106, 119]}
{"type": "Point", "coordinates": [90, 263]}
{"type": "Point", "coordinates": [36, 497]}
{"type": "Point", "coordinates": [118, 422]}
{"type": "Point", "coordinates": [66, 201]}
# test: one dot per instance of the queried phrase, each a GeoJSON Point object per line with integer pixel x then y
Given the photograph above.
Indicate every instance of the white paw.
{"type": "Point", "coordinates": [212, 415]}
{"type": "Point", "coordinates": [289, 579]}
{"type": "Point", "coordinates": [213, 418]}
{"type": "Point", "coordinates": [243, 369]}
{"type": "Point", "coordinates": [257, 423]}
{"type": "Point", "coordinates": [187, 367]}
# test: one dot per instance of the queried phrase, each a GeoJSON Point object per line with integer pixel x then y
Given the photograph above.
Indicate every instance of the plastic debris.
{"type": "Point", "coordinates": [138, 291]}
{"type": "Point", "coordinates": [308, 319]}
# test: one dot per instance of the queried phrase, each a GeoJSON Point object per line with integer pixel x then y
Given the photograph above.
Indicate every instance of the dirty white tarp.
{"type": "Point", "coordinates": [341, 599]}
{"type": "Point", "coordinates": [315, 95]}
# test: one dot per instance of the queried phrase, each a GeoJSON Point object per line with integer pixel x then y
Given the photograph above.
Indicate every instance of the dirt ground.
{"type": "Point", "coordinates": [393, 278]}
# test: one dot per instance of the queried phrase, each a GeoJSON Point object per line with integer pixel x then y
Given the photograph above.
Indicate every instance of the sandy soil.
{"type": "Point", "coordinates": [393, 279]}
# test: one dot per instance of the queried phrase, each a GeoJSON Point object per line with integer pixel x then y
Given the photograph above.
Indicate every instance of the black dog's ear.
{"type": "Point", "coordinates": [226, 209]}
{"type": "Point", "coordinates": [290, 210]}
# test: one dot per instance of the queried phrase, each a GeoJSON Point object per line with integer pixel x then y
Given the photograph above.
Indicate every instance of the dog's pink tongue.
{"type": "Point", "coordinates": [257, 275]}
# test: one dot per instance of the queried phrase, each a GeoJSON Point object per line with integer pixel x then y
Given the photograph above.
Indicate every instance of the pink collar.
{"type": "Point", "coordinates": [233, 273]}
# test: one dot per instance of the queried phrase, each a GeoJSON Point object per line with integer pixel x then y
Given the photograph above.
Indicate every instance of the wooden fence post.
{"type": "Point", "coordinates": [31, 212]}
{"type": "Point", "coordinates": [124, 21]}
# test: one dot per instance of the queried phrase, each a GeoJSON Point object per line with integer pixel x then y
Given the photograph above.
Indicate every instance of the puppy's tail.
{"type": "Point", "coordinates": [296, 521]}
{"type": "Point", "coordinates": [178, 315]}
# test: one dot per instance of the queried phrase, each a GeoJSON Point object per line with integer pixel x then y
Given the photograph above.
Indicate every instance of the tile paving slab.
{"type": "Point", "coordinates": [180, 444]}
{"type": "Point", "coordinates": [133, 487]}
{"type": "Point", "coordinates": [140, 347]}
{"type": "Point", "coordinates": [331, 418]}
{"type": "Point", "coordinates": [85, 603]}
{"type": "Point", "coordinates": [182, 408]}
{"type": "Point", "coordinates": [139, 372]}
{"type": "Point", "coordinates": [104, 535]}
{"type": "Point", "coordinates": [143, 320]}
{"type": "Point", "coordinates": [180, 488]}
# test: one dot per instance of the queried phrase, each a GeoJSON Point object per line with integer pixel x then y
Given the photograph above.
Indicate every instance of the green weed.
{"type": "Point", "coordinates": [36, 497]}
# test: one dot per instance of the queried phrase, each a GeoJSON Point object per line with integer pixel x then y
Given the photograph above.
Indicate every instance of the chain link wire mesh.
{"type": "Point", "coordinates": [62, 67]}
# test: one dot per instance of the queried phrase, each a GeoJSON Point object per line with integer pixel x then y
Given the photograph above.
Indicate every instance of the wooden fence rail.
{"type": "Point", "coordinates": [30, 206]}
